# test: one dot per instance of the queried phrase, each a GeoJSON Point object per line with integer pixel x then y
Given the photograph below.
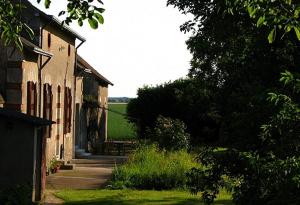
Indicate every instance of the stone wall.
{"type": "Point", "coordinates": [59, 72]}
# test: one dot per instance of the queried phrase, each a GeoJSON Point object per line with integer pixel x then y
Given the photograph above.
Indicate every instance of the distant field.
{"type": "Point", "coordinates": [118, 127]}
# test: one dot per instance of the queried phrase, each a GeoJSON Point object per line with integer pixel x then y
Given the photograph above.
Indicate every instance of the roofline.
{"type": "Point", "coordinates": [94, 72]}
{"type": "Point", "coordinates": [64, 26]}
{"type": "Point", "coordinates": [19, 116]}
{"type": "Point", "coordinates": [35, 48]}
{"type": "Point", "coordinates": [42, 52]}
{"type": "Point", "coordinates": [56, 21]}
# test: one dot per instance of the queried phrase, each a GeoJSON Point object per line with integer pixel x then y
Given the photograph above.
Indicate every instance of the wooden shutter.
{"type": "Point", "coordinates": [29, 85]}
{"type": "Point", "coordinates": [70, 110]}
{"type": "Point", "coordinates": [31, 98]}
{"type": "Point", "coordinates": [34, 104]}
{"type": "Point", "coordinates": [67, 110]}
{"type": "Point", "coordinates": [47, 106]}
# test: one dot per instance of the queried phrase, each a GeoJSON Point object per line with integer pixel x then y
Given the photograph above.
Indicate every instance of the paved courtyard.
{"type": "Point", "coordinates": [90, 173]}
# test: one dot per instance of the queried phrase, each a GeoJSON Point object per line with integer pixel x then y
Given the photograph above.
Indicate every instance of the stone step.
{"type": "Point", "coordinates": [67, 167]}
{"type": "Point", "coordinates": [106, 157]}
{"type": "Point", "coordinates": [96, 165]}
{"type": "Point", "coordinates": [79, 150]}
{"type": "Point", "coordinates": [84, 154]}
{"type": "Point", "coordinates": [91, 161]}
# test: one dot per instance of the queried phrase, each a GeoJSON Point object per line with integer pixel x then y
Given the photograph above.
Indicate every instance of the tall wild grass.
{"type": "Point", "coordinates": [151, 168]}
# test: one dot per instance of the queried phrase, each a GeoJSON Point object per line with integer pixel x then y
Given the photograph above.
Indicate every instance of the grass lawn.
{"type": "Point", "coordinates": [133, 197]}
{"type": "Point", "coordinates": [118, 127]}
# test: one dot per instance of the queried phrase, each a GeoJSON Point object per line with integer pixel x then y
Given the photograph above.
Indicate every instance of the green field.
{"type": "Point", "coordinates": [134, 197]}
{"type": "Point", "coordinates": [118, 126]}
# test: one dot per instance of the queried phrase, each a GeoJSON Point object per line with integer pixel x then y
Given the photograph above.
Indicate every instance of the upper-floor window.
{"type": "Point", "coordinates": [49, 40]}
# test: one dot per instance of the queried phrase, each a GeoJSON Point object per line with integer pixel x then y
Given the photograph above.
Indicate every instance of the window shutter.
{"type": "Point", "coordinates": [65, 110]}
{"type": "Point", "coordinates": [29, 84]}
{"type": "Point", "coordinates": [35, 99]}
{"type": "Point", "coordinates": [45, 102]}
{"type": "Point", "coordinates": [70, 109]}
{"type": "Point", "coordinates": [50, 108]}
{"type": "Point", "coordinates": [47, 105]}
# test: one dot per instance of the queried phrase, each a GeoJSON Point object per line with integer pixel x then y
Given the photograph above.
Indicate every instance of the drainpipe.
{"type": "Point", "coordinates": [40, 69]}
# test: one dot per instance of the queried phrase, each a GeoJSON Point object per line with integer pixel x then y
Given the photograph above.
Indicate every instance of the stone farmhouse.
{"type": "Point", "coordinates": [49, 80]}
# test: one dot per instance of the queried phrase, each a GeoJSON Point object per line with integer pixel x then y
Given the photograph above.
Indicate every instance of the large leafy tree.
{"type": "Point", "coordinates": [269, 173]}
{"type": "Point", "coordinates": [235, 57]}
{"type": "Point", "coordinates": [186, 99]}
{"type": "Point", "coordinates": [11, 24]}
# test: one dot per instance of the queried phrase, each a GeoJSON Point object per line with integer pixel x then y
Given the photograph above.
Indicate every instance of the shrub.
{"type": "Point", "coordinates": [151, 168]}
{"type": "Point", "coordinates": [16, 195]}
{"type": "Point", "coordinates": [170, 134]}
{"type": "Point", "coordinates": [268, 175]}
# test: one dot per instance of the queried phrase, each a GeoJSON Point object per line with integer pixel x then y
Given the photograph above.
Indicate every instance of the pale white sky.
{"type": "Point", "coordinates": [139, 44]}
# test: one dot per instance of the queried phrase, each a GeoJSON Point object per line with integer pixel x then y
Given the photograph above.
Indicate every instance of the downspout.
{"type": "Point", "coordinates": [40, 69]}
{"type": "Point", "coordinates": [74, 101]}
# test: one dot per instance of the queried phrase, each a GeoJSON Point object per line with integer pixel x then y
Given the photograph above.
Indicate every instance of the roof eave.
{"type": "Point", "coordinates": [64, 26]}
{"type": "Point", "coordinates": [42, 52]}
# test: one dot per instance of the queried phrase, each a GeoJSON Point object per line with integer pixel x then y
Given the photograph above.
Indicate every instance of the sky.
{"type": "Point", "coordinates": [139, 44]}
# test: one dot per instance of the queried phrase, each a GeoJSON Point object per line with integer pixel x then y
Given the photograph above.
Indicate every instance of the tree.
{"type": "Point", "coordinates": [188, 100]}
{"type": "Point", "coordinates": [276, 15]}
{"type": "Point", "coordinates": [11, 25]}
{"type": "Point", "coordinates": [267, 173]}
{"type": "Point", "coordinates": [169, 134]}
{"type": "Point", "coordinates": [235, 58]}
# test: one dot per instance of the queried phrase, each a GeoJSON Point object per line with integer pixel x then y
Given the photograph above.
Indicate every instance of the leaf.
{"type": "Point", "coordinates": [272, 35]}
{"type": "Point", "coordinates": [251, 11]}
{"type": "Point", "coordinates": [61, 13]}
{"type": "Point", "coordinates": [80, 23]}
{"type": "Point", "coordinates": [93, 23]}
{"type": "Point", "coordinates": [99, 18]}
{"type": "Point", "coordinates": [297, 33]}
{"type": "Point", "coordinates": [29, 31]}
{"type": "Point", "coordinates": [101, 10]}
{"type": "Point", "coordinates": [19, 43]}
{"type": "Point", "coordinates": [47, 3]}
{"type": "Point", "coordinates": [260, 21]}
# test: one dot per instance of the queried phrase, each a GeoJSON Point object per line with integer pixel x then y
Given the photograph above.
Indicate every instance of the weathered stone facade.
{"type": "Point", "coordinates": [41, 81]}
{"type": "Point", "coordinates": [47, 79]}
{"type": "Point", "coordinates": [92, 125]}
